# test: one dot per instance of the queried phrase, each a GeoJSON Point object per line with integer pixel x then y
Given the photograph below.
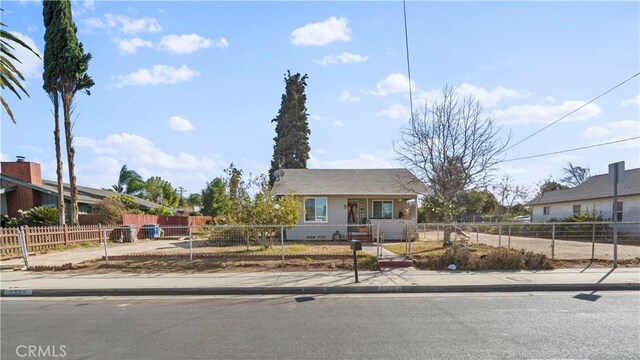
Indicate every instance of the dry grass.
{"type": "Point", "coordinates": [289, 249]}
{"type": "Point", "coordinates": [205, 265]}
{"type": "Point", "coordinates": [423, 249]}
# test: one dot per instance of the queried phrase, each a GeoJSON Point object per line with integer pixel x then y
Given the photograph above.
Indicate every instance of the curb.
{"type": "Point", "coordinates": [315, 290]}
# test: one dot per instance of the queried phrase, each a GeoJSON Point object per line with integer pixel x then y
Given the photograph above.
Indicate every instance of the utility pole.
{"type": "Point", "coordinates": [616, 176]}
{"type": "Point", "coordinates": [181, 191]}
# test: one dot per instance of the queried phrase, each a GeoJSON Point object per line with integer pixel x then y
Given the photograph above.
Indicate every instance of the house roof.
{"type": "Point", "coordinates": [596, 187]}
{"type": "Point", "coordinates": [349, 182]}
{"type": "Point", "coordinates": [86, 195]}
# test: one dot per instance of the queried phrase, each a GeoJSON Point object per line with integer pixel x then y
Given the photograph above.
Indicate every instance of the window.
{"type": "Point", "coordinates": [618, 213]}
{"type": "Point", "coordinates": [576, 209]}
{"type": "Point", "coordinates": [315, 209]}
{"type": "Point", "coordinates": [382, 209]}
{"type": "Point", "coordinates": [545, 210]}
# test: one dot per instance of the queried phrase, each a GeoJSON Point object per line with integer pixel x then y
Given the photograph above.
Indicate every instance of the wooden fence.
{"type": "Point", "coordinates": [48, 237]}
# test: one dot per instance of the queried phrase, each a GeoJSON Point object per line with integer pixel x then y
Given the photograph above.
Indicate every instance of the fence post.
{"type": "Point", "coordinates": [27, 242]}
{"type": "Point", "coordinates": [509, 241]}
{"type": "Point", "coordinates": [593, 242]}
{"type": "Point", "coordinates": [438, 232]}
{"type": "Point", "coordinates": [477, 233]}
{"type": "Point", "coordinates": [23, 247]}
{"type": "Point", "coordinates": [500, 235]}
{"type": "Point", "coordinates": [282, 242]}
{"type": "Point", "coordinates": [190, 245]}
{"type": "Point", "coordinates": [379, 248]}
{"type": "Point", "coordinates": [553, 241]}
{"type": "Point", "coordinates": [104, 243]}
{"type": "Point", "coordinates": [65, 234]}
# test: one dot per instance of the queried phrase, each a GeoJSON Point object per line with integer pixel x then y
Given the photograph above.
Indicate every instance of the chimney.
{"type": "Point", "coordinates": [22, 170]}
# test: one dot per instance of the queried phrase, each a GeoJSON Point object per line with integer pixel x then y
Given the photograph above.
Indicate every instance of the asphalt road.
{"type": "Point", "coordinates": [521, 325]}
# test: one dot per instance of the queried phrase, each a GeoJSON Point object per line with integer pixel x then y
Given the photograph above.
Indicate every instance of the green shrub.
{"type": "Point", "coordinates": [39, 216]}
{"type": "Point", "coordinates": [162, 211]}
{"type": "Point", "coordinates": [109, 211]}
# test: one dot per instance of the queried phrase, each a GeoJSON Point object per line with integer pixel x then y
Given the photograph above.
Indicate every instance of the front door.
{"type": "Point", "coordinates": [353, 214]}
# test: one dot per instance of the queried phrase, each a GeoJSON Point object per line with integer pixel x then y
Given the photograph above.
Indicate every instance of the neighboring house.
{"type": "Point", "coordinates": [341, 199]}
{"type": "Point", "coordinates": [22, 187]}
{"type": "Point", "coordinates": [593, 195]}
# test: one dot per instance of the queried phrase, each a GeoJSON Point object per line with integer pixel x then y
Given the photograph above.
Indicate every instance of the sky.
{"type": "Point", "coordinates": [185, 88]}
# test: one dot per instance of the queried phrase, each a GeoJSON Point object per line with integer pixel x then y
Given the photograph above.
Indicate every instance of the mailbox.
{"type": "Point", "coordinates": [356, 245]}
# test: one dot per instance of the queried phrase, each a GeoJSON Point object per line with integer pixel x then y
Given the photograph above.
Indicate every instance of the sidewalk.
{"type": "Point", "coordinates": [392, 281]}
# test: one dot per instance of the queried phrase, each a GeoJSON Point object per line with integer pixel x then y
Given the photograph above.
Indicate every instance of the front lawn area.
{"type": "Point", "coordinates": [289, 249]}
{"type": "Point", "coordinates": [423, 249]}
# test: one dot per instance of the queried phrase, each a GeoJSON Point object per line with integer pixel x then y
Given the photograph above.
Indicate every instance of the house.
{"type": "Point", "coordinates": [22, 187]}
{"type": "Point", "coordinates": [593, 195]}
{"type": "Point", "coordinates": [337, 201]}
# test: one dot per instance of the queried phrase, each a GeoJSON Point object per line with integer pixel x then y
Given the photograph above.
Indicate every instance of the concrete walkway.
{"type": "Point", "coordinates": [397, 280]}
{"type": "Point", "coordinates": [56, 258]}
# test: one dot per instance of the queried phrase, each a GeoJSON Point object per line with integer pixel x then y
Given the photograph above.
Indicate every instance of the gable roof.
{"type": "Point", "coordinates": [596, 187]}
{"type": "Point", "coordinates": [86, 195]}
{"type": "Point", "coordinates": [349, 182]}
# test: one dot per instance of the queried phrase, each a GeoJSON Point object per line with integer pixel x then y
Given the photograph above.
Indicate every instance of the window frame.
{"type": "Point", "coordinates": [619, 212]}
{"type": "Point", "coordinates": [546, 210]}
{"type": "Point", "coordinates": [326, 206]}
{"type": "Point", "coordinates": [579, 207]}
{"type": "Point", "coordinates": [381, 209]}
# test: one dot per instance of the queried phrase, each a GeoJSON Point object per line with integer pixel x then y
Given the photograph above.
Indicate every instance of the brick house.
{"type": "Point", "coordinates": [22, 187]}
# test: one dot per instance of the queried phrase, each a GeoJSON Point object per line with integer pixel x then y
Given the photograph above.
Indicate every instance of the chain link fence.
{"type": "Point", "coordinates": [560, 241]}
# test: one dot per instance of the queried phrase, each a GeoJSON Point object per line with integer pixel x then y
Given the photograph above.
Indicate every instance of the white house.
{"type": "Point", "coordinates": [345, 201]}
{"type": "Point", "coordinates": [594, 195]}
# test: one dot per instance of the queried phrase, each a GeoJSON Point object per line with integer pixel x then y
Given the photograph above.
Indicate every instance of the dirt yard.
{"type": "Point", "coordinates": [563, 249]}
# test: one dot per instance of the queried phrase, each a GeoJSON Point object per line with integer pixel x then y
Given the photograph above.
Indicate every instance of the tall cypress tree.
{"type": "Point", "coordinates": [291, 149]}
{"type": "Point", "coordinates": [65, 75]}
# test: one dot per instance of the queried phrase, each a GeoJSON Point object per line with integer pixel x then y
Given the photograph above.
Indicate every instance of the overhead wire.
{"type": "Point", "coordinates": [406, 44]}
{"type": "Point", "coordinates": [571, 112]}
{"type": "Point", "coordinates": [574, 149]}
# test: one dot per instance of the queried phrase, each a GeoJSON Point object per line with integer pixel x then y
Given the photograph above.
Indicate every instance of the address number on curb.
{"type": "Point", "coordinates": [17, 292]}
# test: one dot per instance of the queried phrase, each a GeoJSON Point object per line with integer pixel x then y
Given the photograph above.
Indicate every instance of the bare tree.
{"type": "Point", "coordinates": [451, 146]}
{"type": "Point", "coordinates": [575, 175]}
{"type": "Point", "coordinates": [510, 193]}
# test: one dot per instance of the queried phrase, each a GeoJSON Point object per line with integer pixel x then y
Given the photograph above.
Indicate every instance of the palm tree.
{"type": "Point", "coordinates": [129, 182]}
{"type": "Point", "coordinates": [10, 76]}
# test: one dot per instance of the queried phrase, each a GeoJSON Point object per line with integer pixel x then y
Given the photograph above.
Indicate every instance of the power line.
{"type": "Point", "coordinates": [571, 112]}
{"type": "Point", "coordinates": [574, 149]}
{"type": "Point", "coordinates": [406, 44]}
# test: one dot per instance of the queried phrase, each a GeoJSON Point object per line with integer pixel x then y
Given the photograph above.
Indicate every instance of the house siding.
{"type": "Point", "coordinates": [630, 210]}
{"type": "Point", "coordinates": [337, 219]}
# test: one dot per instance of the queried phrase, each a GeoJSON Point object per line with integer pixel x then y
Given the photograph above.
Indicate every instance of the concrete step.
{"type": "Point", "coordinates": [394, 263]}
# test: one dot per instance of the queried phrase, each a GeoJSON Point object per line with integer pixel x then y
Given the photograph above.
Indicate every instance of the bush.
{"type": "Point", "coordinates": [457, 254]}
{"type": "Point", "coordinates": [535, 261]}
{"type": "Point", "coordinates": [109, 211]}
{"type": "Point", "coordinates": [39, 216]}
{"type": "Point", "coordinates": [162, 211]}
{"type": "Point", "coordinates": [502, 259]}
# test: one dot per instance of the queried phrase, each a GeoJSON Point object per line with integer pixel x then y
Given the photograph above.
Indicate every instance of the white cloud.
{"type": "Point", "coordinates": [4, 157]}
{"type": "Point", "coordinates": [130, 46]}
{"type": "Point", "coordinates": [316, 118]}
{"type": "Point", "coordinates": [158, 74]}
{"type": "Point", "coordinates": [189, 43]}
{"type": "Point", "coordinates": [488, 98]}
{"type": "Point", "coordinates": [613, 131]}
{"type": "Point", "coordinates": [542, 114]}
{"type": "Point", "coordinates": [362, 161]}
{"type": "Point", "coordinates": [322, 33]}
{"type": "Point", "coordinates": [344, 58]}
{"type": "Point", "coordinates": [124, 24]}
{"type": "Point", "coordinates": [30, 66]}
{"type": "Point", "coordinates": [178, 123]}
{"type": "Point", "coordinates": [395, 112]}
{"type": "Point", "coordinates": [142, 155]}
{"type": "Point", "coordinates": [393, 83]}
{"type": "Point", "coordinates": [338, 124]}
{"type": "Point", "coordinates": [635, 100]}
{"type": "Point", "coordinates": [89, 4]}
{"type": "Point", "coordinates": [346, 97]}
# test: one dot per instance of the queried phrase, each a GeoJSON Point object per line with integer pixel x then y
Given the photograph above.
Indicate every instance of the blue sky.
{"type": "Point", "coordinates": [185, 88]}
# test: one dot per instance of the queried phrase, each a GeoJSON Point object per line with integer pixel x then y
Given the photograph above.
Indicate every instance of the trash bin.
{"type": "Point", "coordinates": [124, 233]}
{"type": "Point", "coordinates": [151, 231]}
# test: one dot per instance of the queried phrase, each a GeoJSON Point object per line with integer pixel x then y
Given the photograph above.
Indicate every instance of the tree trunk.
{"type": "Point", "coordinates": [62, 216]}
{"type": "Point", "coordinates": [66, 106]}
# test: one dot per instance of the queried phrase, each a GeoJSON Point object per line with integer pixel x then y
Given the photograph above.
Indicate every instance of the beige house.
{"type": "Point", "coordinates": [594, 195]}
{"type": "Point", "coordinates": [350, 202]}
